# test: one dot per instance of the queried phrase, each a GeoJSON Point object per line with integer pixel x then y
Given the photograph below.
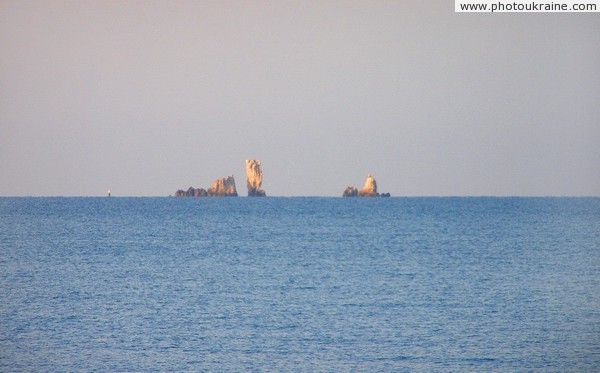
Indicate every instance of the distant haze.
{"type": "Point", "coordinates": [147, 97]}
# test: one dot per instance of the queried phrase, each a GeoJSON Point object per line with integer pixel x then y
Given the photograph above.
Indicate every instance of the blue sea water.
{"type": "Point", "coordinates": [299, 284]}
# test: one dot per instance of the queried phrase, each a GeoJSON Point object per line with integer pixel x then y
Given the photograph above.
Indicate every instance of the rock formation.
{"type": "Point", "coordinates": [254, 178]}
{"type": "Point", "coordinates": [224, 187]}
{"type": "Point", "coordinates": [191, 192]}
{"type": "Point", "coordinates": [369, 190]}
{"type": "Point", "coordinates": [350, 192]}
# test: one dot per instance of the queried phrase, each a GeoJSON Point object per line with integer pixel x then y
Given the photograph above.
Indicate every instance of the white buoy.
{"type": "Point", "coordinates": [109, 192]}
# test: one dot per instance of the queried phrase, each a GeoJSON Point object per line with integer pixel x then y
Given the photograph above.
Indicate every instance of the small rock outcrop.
{"type": "Point", "coordinates": [223, 187]}
{"type": "Point", "coordinates": [368, 190]}
{"type": "Point", "coordinates": [350, 192]}
{"type": "Point", "coordinates": [254, 178]}
{"type": "Point", "coordinates": [191, 192]}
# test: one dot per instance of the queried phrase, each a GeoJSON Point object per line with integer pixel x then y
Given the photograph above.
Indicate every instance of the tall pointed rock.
{"type": "Point", "coordinates": [254, 177]}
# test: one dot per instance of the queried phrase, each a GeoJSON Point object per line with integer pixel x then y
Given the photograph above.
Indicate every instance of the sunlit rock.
{"type": "Point", "coordinates": [224, 187]}
{"type": "Point", "coordinates": [370, 188]}
{"type": "Point", "coordinates": [254, 178]}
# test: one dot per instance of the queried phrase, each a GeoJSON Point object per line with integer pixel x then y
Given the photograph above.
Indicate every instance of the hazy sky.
{"type": "Point", "coordinates": [147, 97]}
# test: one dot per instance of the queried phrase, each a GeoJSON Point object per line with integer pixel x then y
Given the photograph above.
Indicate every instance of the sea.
{"type": "Point", "coordinates": [325, 284]}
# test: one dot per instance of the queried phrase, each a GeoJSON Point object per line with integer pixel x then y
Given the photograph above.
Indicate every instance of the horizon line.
{"type": "Point", "coordinates": [316, 196]}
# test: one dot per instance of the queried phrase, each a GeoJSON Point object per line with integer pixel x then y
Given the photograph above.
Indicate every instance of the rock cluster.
{"type": "Point", "coordinates": [368, 190]}
{"type": "Point", "coordinates": [223, 187]}
{"type": "Point", "coordinates": [254, 178]}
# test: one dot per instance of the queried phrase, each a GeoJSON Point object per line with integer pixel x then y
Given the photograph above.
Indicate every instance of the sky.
{"type": "Point", "coordinates": [147, 97]}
